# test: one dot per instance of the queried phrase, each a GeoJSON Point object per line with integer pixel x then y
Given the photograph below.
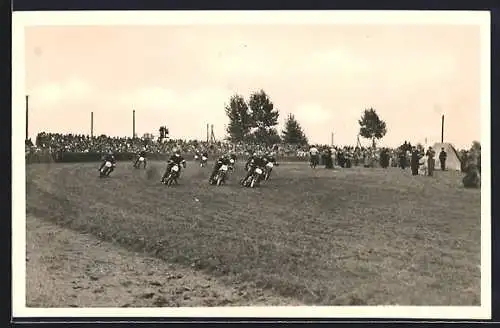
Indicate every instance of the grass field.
{"type": "Point", "coordinates": [326, 237]}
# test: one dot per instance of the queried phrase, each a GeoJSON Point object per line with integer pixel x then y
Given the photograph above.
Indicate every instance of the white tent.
{"type": "Point", "coordinates": [452, 157]}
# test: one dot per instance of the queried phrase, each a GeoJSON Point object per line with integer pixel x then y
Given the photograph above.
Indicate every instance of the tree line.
{"type": "Point", "coordinates": [254, 121]}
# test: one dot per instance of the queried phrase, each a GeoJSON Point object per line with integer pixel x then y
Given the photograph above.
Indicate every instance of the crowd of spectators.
{"type": "Point", "coordinates": [75, 143]}
{"type": "Point", "coordinates": [344, 155]}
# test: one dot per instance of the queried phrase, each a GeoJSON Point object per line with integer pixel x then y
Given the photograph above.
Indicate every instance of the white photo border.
{"type": "Point", "coordinates": [21, 20]}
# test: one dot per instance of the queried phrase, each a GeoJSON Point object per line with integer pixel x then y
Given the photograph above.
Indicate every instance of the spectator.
{"type": "Point", "coordinates": [430, 161]}
{"type": "Point", "coordinates": [442, 159]}
{"type": "Point", "coordinates": [56, 144]}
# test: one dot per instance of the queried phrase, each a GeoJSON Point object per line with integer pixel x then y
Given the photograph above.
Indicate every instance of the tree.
{"type": "Point", "coordinates": [264, 118]}
{"type": "Point", "coordinates": [371, 126]}
{"type": "Point", "coordinates": [476, 153]}
{"type": "Point", "coordinates": [293, 133]}
{"type": "Point", "coordinates": [240, 120]}
{"type": "Point", "coordinates": [267, 136]}
{"type": "Point", "coordinates": [476, 146]}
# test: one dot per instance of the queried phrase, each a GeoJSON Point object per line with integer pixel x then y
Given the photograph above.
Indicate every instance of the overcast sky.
{"type": "Point", "coordinates": [182, 76]}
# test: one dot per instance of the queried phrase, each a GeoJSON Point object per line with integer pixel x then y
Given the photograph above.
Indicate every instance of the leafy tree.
{"type": "Point", "coordinates": [264, 118]}
{"type": "Point", "coordinates": [476, 152]}
{"type": "Point", "coordinates": [371, 126]}
{"type": "Point", "coordinates": [293, 133]}
{"type": "Point", "coordinates": [240, 120]}
{"type": "Point", "coordinates": [268, 136]}
{"type": "Point", "coordinates": [476, 146]}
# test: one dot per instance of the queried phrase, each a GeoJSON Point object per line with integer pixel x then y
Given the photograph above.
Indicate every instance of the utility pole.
{"type": "Point", "coordinates": [208, 136]}
{"type": "Point", "coordinates": [212, 135]}
{"type": "Point", "coordinates": [27, 109]}
{"type": "Point", "coordinates": [442, 128]}
{"type": "Point", "coordinates": [91, 125]}
{"type": "Point", "coordinates": [133, 124]}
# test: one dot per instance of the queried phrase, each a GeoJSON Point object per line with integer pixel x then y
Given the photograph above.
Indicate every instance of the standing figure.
{"type": "Point", "coordinates": [384, 158]}
{"type": "Point", "coordinates": [402, 159]}
{"type": "Point", "coordinates": [414, 162]}
{"type": "Point", "coordinates": [442, 159]}
{"type": "Point", "coordinates": [430, 161]}
{"type": "Point", "coordinates": [314, 156]}
{"type": "Point", "coordinates": [328, 159]}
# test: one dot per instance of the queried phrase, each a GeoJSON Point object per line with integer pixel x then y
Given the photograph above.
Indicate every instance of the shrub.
{"type": "Point", "coordinates": [472, 178]}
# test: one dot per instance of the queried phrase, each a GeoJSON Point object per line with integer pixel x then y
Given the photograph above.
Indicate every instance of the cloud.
{"type": "Point", "coordinates": [71, 90]}
{"type": "Point", "coordinates": [312, 113]}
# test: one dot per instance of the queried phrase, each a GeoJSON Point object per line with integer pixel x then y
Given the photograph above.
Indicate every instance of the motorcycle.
{"type": "Point", "coordinates": [172, 176]}
{"type": "Point", "coordinates": [220, 177]}
{"type": "Point", "coordinates": [254, 179]}
{"type": "Point", "coordinates": [268, 169]}
{"type": "Point", "coordinates": [106, 169]}
{"type": "Point", "coordinates": [140, 161]}
{"type": "Point", "coordinates": [203, 161]}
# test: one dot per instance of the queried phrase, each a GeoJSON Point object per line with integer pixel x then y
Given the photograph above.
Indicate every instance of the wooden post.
{"type": "Point", "coordinates": [133, 124]}
{"type": "Point", "coordinates": [27, 109]}
{"type": "Point", "coordinates": [91, 125]}
{"type": "Point", "coordinates": [442, 128]}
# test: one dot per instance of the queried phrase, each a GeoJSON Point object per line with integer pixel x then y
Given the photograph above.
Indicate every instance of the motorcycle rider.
{"type": "Point", "coordinates": [142, 154]}
{"type": "Point", "coordinates": [269, 158]}
{"type": "Point", "coordinates": [109, 157]}
{"type": "Point", "coordinates": [255, 161]}
{"type": "Point", "coordinates": [203, 158]}
{"type": "Point", "coordinates": [250, 159]}
{"type": "Point", "coordinates": [223, 160]}
{"type": "Point", "coordinates": [176, 158]}
{"type": "Point", "coordinates": [232, 161]}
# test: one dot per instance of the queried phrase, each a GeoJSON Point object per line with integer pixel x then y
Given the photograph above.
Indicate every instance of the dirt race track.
{"type": "Point", "coordinates": [326, 237]}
